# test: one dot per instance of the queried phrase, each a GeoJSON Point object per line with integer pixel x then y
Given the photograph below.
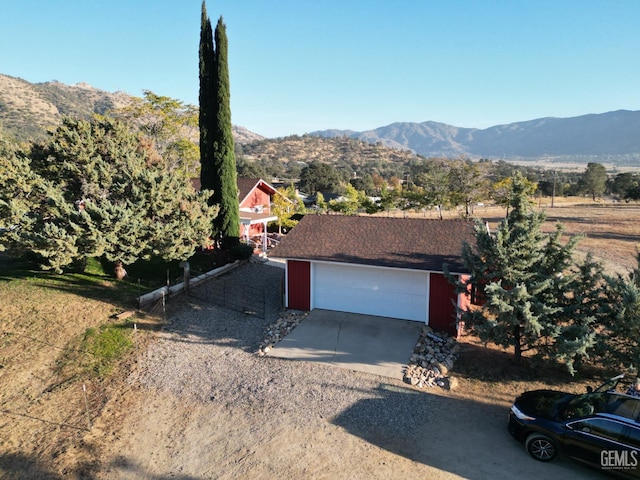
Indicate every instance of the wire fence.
{"type": "Point", "coordinates": [257, 300]}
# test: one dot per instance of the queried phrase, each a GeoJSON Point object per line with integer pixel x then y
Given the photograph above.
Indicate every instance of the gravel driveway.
{"type": "Point", "coordinates": [204, 405]}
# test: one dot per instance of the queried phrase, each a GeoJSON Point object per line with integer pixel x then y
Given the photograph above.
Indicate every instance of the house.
{"type": "Point", "coordinates": [254, 198]}
{"type": "Point", "coordinates": [390, 267]}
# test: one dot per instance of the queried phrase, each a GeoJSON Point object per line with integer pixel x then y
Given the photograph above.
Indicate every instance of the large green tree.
{"type": "Point", "coordinates": [109, 200]}
{"type": "Point", "coordinates": [594, 180]}
{"type": "Point", "coordinates": [170, 127]}
{"type": "Point", "coordinates": [537, 299]}
{"type": "Point", "coordinates": [217, 154]}
{"type": "Point", "coordinates": [319, 177]}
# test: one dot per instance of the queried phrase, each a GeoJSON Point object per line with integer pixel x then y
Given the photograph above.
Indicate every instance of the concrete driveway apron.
{"type": "Point", "coordinates": [364, 343]}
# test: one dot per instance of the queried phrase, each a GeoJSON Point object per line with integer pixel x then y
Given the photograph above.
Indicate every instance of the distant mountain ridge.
{"type": "Point", "coordinates": [28, 110]}
{"type": "Point", "coordinates": [612, 135]}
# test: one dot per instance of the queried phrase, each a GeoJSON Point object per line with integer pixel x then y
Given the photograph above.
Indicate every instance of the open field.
{"type": "Point", "coordinates": [193, 401]}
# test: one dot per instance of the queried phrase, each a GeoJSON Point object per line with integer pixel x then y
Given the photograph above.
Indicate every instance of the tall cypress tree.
{"type": "Point", "coordinates": [206, 118]}
{"type": "Point", "coordinates": [216, 136]}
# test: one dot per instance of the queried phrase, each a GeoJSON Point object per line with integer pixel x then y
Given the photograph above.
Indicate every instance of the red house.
{"type": "Point", "coordinates": [390, 267]}
{"type": "Point", "coordinates": [254, 198]}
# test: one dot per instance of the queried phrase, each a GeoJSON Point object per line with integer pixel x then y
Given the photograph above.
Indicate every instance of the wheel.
{"type": "Point", "coordinates": [541, 447]}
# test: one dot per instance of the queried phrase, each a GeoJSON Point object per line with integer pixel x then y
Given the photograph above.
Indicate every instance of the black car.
{"type": "Point", "coordinates": [599, 428]}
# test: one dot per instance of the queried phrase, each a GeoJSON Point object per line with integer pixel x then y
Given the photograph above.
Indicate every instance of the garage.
{"type": "Point", "coordinates": [386, 292]}
{"type": "Point", "coordinates": [388, 267]}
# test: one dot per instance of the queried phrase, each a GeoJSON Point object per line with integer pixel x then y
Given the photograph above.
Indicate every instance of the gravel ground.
{"type": "Point", "coordinates": [208, 354]}
{"type": "Point", "coordinates": [202, 404]}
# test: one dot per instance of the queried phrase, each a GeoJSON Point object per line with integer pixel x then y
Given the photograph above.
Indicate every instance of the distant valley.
{"type": "Point", "coordinates": [28, 110]}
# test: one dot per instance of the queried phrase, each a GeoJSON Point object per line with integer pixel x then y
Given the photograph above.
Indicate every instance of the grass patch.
{"type": "Point", "coordinates": [97, 351]}
{"type": "Point", "coordinates": [106, 345]}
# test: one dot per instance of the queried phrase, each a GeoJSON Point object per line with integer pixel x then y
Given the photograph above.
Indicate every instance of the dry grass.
{"type": "Point", "coordinates": [43, 415]}
{"type": "Point", "coordinates": [610, 231]}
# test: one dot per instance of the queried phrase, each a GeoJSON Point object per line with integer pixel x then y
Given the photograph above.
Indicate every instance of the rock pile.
{"type": "Point", "coordinates": [275, 332]}
{"type": "Point", "coordinates": [433, 357]}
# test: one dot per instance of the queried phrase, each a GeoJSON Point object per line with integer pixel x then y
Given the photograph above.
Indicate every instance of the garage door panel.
{"type": "Point", "coordinates": [374, 291]}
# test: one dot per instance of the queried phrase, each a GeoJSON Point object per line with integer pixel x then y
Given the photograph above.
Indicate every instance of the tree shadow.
{"type": "Point", "coordinates": [465, 437]}
{"type": "Point", "coordinates": [18, 466]}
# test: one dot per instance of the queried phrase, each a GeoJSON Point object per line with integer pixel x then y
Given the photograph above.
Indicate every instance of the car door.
{"type": "Point", "coordinates": [631, 438]}
{"type": "Point", "coordinates": [586, 439]}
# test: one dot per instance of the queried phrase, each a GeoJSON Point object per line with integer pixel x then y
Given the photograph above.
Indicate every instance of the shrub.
{"type": "Point", "coordinates": [242, 251]}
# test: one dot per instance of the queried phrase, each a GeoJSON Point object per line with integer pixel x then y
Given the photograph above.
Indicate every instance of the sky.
{"type": "Point", "coordinates": [298, 66]}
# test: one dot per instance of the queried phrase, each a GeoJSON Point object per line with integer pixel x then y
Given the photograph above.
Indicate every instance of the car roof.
{"type": "Point", "coordinates": [619, 418]}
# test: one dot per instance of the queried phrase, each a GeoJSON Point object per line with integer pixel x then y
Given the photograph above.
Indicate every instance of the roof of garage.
{"type": "Point", "coordinates": [423, 244]}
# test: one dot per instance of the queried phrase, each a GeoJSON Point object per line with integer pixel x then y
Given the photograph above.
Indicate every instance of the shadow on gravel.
{"type": "Point", "coordinates": [201, 319]}
{"type": "Point", "coordinates": [133, 470]}
{"type": "Point", "coordinates": [196, 321]}
{"type": "Point", "coordinates": [21, 466]}
{"type": "Point", "coordinates": [460, 436]}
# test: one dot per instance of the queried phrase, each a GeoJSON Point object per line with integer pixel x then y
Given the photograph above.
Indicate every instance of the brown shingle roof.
{"type": "Point", "coordinates": [245, 185]}
{"type": "Point", "coordinates": [422, 244]}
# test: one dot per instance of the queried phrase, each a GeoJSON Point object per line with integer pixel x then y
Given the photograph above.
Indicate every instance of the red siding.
{"type": "Point", "coordinates": [257, 198]}
{"type": "Point", "coordinates": [442, 300]}
{"type": "Point", "coordinates": [299, 285]}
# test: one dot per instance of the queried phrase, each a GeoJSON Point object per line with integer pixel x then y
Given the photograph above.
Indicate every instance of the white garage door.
{"type": "Point", "coordinates": [370, 290]}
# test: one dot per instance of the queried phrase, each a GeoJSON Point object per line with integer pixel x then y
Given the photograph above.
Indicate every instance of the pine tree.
{"type": "Point", "coordinates": [218, 164]}
{"type": "Point", "coordinates": [619, 339]}
{"type": "Point", "coordinates": [536, 298]}
{"type": "Point", "coordinates": [111, 201]}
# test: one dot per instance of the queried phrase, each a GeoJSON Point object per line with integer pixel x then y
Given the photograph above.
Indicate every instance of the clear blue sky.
{"type": "Point", "coordinates": [297, 66]}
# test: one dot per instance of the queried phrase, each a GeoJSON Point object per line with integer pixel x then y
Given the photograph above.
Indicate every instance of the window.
{"type": "Point", "coordinates": [632, 437]}
{"type": "Point", "coordinates": [600, 427]}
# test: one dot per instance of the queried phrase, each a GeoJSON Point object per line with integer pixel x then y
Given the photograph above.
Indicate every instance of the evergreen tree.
{"type": "Point", "coordinates": [207, 105]}
{"type": "Point", "coordinates": [619, 339]}
{"type": "Point", "coordinates": [536, 298]}
{"type": "Point", "coordinates": [25, 199]}
{"type": "Point", "coordinates": [319, 177]}
{"type": "Point", "coordinates": [111, 201]}
{"type": "Point", "coordinates": [217, 157]}
{"type": "Point", "coordinates": [594, 180]}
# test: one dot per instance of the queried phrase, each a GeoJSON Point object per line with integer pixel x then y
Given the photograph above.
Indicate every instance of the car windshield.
{"type": "Point", "coordinates": [610, 385]}
{"type": "Point", "coordinates": [601, 402]}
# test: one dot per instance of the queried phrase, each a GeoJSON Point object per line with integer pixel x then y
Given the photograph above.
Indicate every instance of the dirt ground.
{"type": "Point", "coordinates": [362, 426]}
{"type": "Point", "coordinates": [295, 420]}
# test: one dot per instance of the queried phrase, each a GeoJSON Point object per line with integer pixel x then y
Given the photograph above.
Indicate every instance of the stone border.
{"type": "Point", "coordinates": [432, 359]}
{"type": "Point", "coordinates": [287, 321]}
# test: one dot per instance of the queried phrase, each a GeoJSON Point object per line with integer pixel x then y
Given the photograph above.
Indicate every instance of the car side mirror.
{"type": "Point", "coordinates": [589, 389]}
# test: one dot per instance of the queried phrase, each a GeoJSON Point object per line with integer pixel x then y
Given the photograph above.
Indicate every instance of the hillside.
{"type": "Point", "coordinates": [612, 137]}
{"type": "Point", "coordinates": [28, 110]}
{"type": "Point", "coordinates": [337, 151]}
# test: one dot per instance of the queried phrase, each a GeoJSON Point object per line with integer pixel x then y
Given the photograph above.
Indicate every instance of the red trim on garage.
{"type": "Point", "coordinates": [299, 285]}
{"type": "Point", "coordinates": [442, 301]}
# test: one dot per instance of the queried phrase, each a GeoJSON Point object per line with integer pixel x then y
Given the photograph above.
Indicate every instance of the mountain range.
{"type": "Point", "coordinates": [28, 110]}
{"type": "Point", "coordinates": [612, 136]}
